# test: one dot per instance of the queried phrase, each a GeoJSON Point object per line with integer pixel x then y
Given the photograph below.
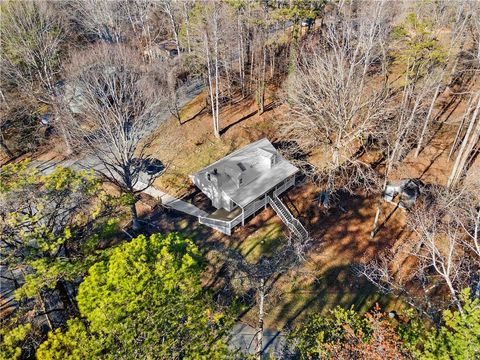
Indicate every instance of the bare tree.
{"type": "Point", "coordinates": [171, 84]}
{"type": "Point", "coordinates": [421, 55]}
{"type": "Point", "coordinates": [101, 19]}
{"type": "Point", "coordinates": [461, 18]}
{"type": "Point", "coordinates": [169, 7]}
{"type": "Point", "coordinates": [32, 40]}
{"type": "Point", "coordinates": [441, 254]}
{"type": "Point", "coordinates": [334, 105]}
{"type": "Point", "coordinates": [118, 104]}
{"type": "Point", "coordinates": [206, 30]}
{"type": "Point", "coordinates": [262, 276]}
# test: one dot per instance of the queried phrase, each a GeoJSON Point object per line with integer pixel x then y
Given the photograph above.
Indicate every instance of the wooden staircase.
{"type": "Point", "coordinates": [293, 224]}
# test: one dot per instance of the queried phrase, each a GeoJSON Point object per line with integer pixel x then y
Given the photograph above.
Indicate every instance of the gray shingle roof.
{"type": "Point", "coordinates": [252, 164]}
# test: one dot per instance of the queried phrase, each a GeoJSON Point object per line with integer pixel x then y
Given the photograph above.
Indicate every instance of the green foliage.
{"type": "Point", "coordinates": [14, 176]}
{"type": "Point", "coordinates": [145, 301]}
{"type": "Point", "coordinates": [412, 331]}
{"type": "Point", "coordinates": [51, 223]}
{"type": "Point", "coordinates": [299, 10]}
{"type": "Point", "coordinates": [320, 330]}
{"type": "Point", "coordinates": [420, 48]}
{"type": "Point", "coordinates": [11, 341]}
{"type": "Point", "coordinates": [459, 338]}
{"type": "Point", "coordinates": [74, 344]}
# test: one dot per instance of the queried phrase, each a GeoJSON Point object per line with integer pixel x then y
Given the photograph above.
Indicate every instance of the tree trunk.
{"type": "Point", "coordinates": [427, 121]}
{"type": "Point", "coordinates": [469, 142]}
{"type": "Point", "coordinates": [135, 222]}
{"type": "Point", "coordinates": [241, 62]}
{"type": "Point", "coordinates": [375, 221]}
{"type": "Point", "coordinates": [379, 208]}
{"type": "Point", "coordinates": [454, 295]}
{"type": "Point", "coordinates": [460, 127]}
{"type": "Point", "coordinates": [261, 314]}
{"type": "Point", "coordinates": [261, 90]}
{"type": "Point", "coordinates": [272, 63]}
{"type": "Point", "coordinates": [252, 62]}
{"type": "Point", "coordinates": [217, 76]}
{"type": "Point", "coordinates": [187, 25]}
{"type": "Point", "coordinates": [171, 16]}
{"type": "Point", "coordinates": [210, 87]}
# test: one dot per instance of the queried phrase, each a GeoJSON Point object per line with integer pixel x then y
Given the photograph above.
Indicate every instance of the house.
{"type": "Point", "coordinates": [244, 182]}
{"type": "Point", "coordinates": [163, 50]}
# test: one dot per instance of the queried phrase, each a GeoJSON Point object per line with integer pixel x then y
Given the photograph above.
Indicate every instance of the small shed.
{"type": "Point", "coordinates": [403, 192]}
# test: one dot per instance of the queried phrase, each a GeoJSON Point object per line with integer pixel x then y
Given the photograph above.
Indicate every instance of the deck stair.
{"type": "Point", "coordinates": [293, 224]}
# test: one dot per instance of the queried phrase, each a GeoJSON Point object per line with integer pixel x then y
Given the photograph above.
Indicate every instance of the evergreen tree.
{"type": "Point", "coordinates": [459, 338]}
{"type": "Point", "coordinates": [144, 301]}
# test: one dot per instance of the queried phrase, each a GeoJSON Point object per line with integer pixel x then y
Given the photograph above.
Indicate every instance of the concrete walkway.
{"type": "Point", "coordinates": [243, 338]}
{"type": "Point", "coordinates": [171, 201]}
{"type": "Point", "coordinates": [47, 167]}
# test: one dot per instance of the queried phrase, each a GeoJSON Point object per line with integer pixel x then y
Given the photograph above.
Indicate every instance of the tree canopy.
{"type": "Point", "coordinates": [51, 223]}
{"type": "Point", "coordinates": [144, 301]}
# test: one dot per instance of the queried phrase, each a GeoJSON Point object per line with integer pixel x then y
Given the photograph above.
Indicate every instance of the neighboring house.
{"type": "Point", "coordinates": [163, 50]}
{"type": "Point", "coordinates": [244, 182]}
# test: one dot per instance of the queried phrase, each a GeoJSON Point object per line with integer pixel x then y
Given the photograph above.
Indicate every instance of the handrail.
{"type": "Point", "coordinates": [292, 222]}
{"type": "Point", "coordinates": [218, 221]}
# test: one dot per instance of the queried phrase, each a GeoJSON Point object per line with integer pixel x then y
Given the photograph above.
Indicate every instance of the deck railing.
{"type": "Point", "coordinates": [226, 226]}
{"type": "Point", "coordinates": [255, 206]}
{"type": "Point", "coordinates": [291, 221]}
{"type": "Point", "coordinates": [286, 185]}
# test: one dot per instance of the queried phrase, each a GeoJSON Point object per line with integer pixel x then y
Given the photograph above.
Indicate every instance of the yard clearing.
{"type": "Point", "coordinates": [341, 234]}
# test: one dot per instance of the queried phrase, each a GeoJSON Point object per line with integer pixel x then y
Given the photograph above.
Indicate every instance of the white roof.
{"type": "Point", "coordinates": [259, 178]}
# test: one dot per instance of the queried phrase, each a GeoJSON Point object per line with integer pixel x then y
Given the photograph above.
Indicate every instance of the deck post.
{"type": "Point", "coordinates": [266, 202]}
{"type": "Point", "coordinates": [243, 216]}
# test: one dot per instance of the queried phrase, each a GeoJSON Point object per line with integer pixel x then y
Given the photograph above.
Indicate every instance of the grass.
{"type": "Point", "coordinates": [262, 242]}
{"type": "Point", "coordinates": [297, 297]}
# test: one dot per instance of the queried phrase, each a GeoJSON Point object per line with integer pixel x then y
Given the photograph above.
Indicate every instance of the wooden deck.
{"type": "Point", "coordinates": [224, 221]}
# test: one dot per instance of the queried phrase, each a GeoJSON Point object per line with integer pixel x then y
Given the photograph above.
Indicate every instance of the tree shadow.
{"type": "Point", "coordinates": [268, 107]}
{"type": "Point", "coordinates": [229, 126]}
{"type": "Point", "coordinates": [193, 117]}
{"type": "Point", "coordinates": [338, 286]}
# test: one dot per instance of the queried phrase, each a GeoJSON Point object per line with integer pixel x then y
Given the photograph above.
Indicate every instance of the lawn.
{"type": "Point", "coordinates": [262, 242]}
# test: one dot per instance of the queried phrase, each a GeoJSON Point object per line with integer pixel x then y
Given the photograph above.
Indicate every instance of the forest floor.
{"type": "Point", "coordinates": [341, 235]}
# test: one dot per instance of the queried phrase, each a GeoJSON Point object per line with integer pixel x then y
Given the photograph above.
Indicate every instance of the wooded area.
{"type": "Point", "coordinates": [108, 106]}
